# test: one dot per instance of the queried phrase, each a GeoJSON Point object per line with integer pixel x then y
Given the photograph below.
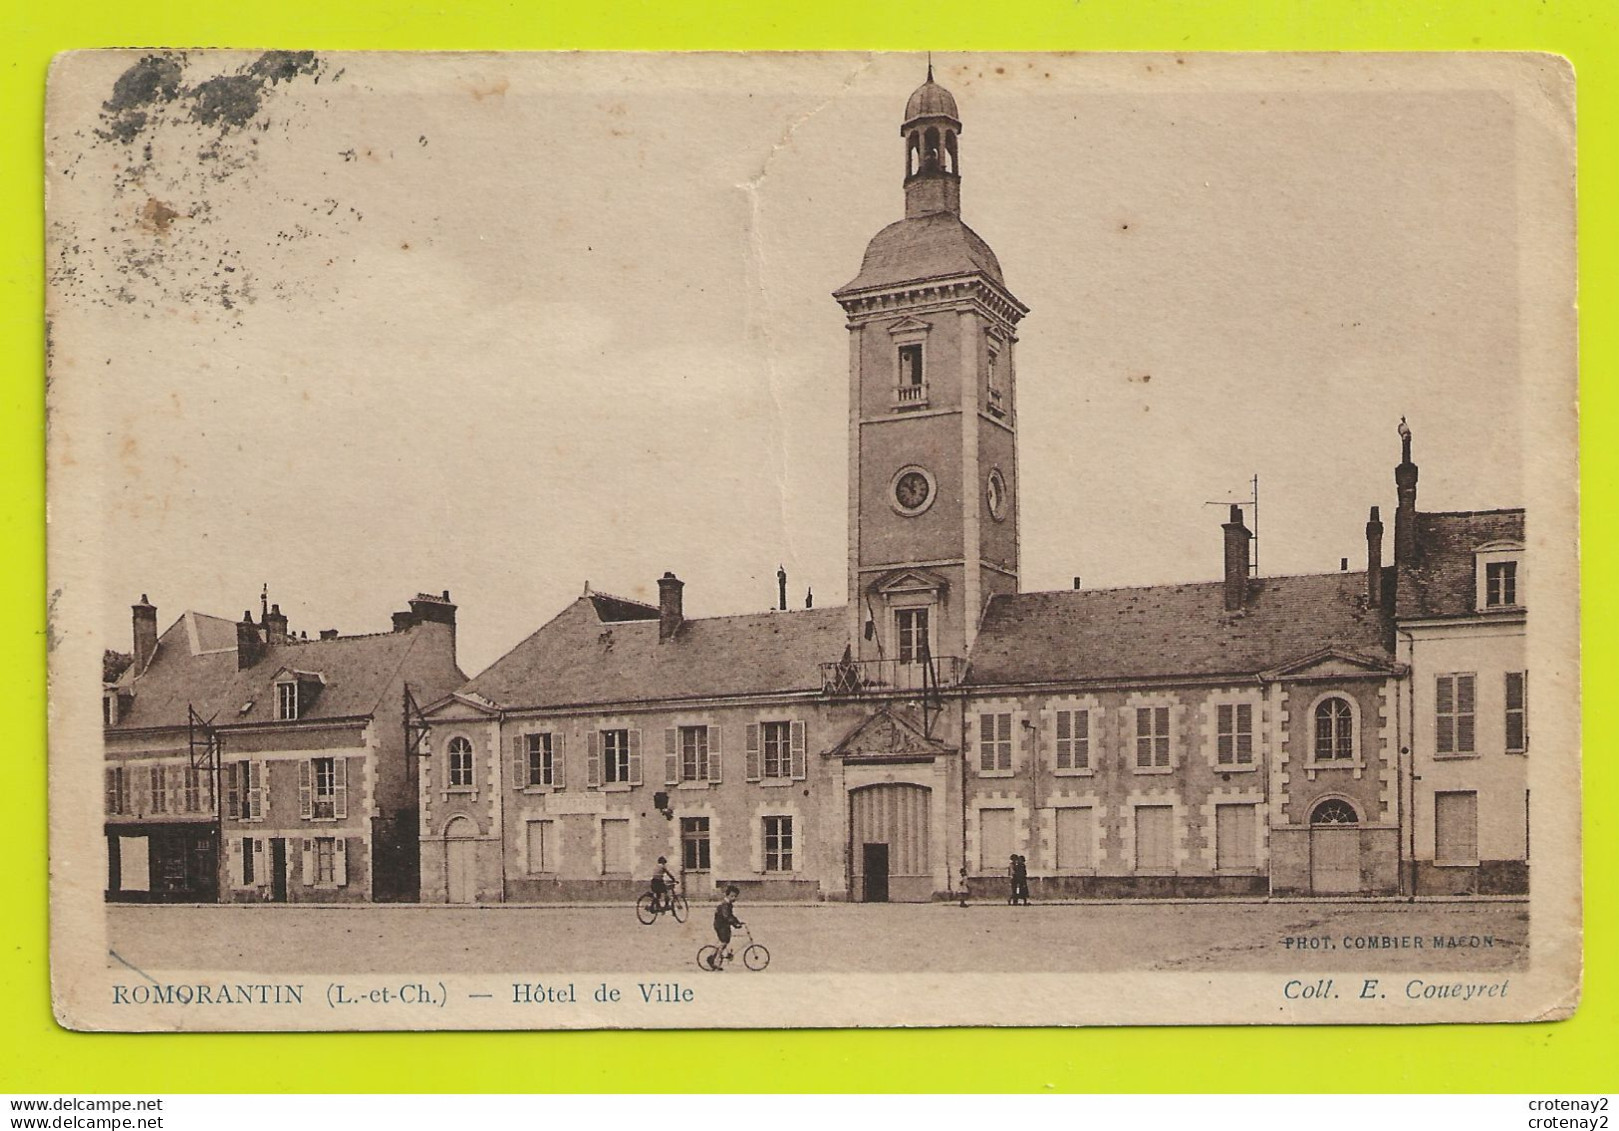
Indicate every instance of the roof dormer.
{"type": "Point", "coordinates": [1499, 577]}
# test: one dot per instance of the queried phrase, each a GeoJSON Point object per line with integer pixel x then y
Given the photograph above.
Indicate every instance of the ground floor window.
{"type": "Point", "coordinates": [1155, 838]}
{"type": "Point", "coordinates": [1455, 823]}
{"type": "Point", "coordinates": [994, 839]}
{"type": "Point", "coordinates": [615, 845]}
{"type": "Point", "coordinates": [1236, 830]}
{"type": "Point", "coordinates": [541, 847]}
{"type": "Point", "coordinates": [325, 860]}
{"type": "Point", "coordinates": [778, 844]}
{"type": "Point", "coordinates": [694, 844]}
{"type": "Point", "coordinates": [1075, 838]}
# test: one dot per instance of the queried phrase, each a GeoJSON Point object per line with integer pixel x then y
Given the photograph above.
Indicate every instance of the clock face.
{"type": "Point", "coordinates": [913, 491]}
{"type": "Point", "coordinates": [995, 494]}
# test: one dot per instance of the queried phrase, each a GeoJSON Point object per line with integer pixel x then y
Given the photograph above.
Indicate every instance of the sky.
{"type": "Point", "coordinates": [355, 326]}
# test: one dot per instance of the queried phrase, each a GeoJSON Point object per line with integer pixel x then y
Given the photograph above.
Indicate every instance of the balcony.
{"type": "Point", "coordinates": [911, 396]}
{"type": "Point", "coordinates": [855, 678]}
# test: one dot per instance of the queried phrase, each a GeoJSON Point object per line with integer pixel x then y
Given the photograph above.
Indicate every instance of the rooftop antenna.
{"type": "Point", "coordinates": [1252, 501]}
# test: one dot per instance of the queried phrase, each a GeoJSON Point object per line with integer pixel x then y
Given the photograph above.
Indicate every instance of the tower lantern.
{"type": "Point", "coordinates": [932, 151]}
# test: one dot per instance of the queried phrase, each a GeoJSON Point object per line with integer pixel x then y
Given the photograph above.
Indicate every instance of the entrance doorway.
{"type": "Point", "coordinates": [459, 856]}
{"type": "Point", "coordinates": [874, 861]}
{"type": "Point", "coordinates": [278, 869]}
{"type": "Point", "coordinates": [890, 843]}
{"type": "Point", "coordinates": [1334, 849]}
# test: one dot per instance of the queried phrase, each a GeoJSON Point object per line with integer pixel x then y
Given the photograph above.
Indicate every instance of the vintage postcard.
{"type": "Point", "coordinates": [597, 541]}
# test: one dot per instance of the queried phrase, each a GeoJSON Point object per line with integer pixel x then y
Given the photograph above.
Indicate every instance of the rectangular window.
{"type": "Point", "coordinates": [541, 770]}
{"type": "Point", "coordinates": [1073, 741]}
{"type": "Point", "coordinates": [995, 850]}
{"type": "Point", "coordinates": [910, 365]}
{"type": "Point", "coordinates": [199, 790]}
{"type": "Point", "coordinates": [247, 862]}
{"type": "Point", "coordinates": [325, 860]}
{"type": "Point", "coordinates": [694, 847]}
{"type": "Point", "coordinates": [1517, 712]}
{"type": "Point", "coordinates": [1075, 843]}
{"type": "Point", "coordinates": [694, 753]}
{"type": "Point", "coordinates": [912, 629]}
{"type": "Point", "coordinates": [777, 740]}
{"type": "Point", "coordinates": [994, 743]}
{"type": "Point", "coordinates": [992, 381]}
{"type": "Point", "coordinates": [778, 844]}
{"type": "Point", "coordinates": [615, 845]}
{"type": "Point", "coordinates": [325, 797]}
{"type": "Point", "coordinates": [159, 802]}
{"type": "Point", "coordinates": [244, 793]}
{"type": "Point", "coordinates": [1500, 584]}
{"type": "Point", "coordinates": [117, 791]}
{"type": "Point", "coordinates": [1236, 829]}
{"type": "Point", "coordinates": [1155, 846]}
{"type": "Point", "coordinates": [1455, 823]}
{"type": "Point", "coordinates": [286, 701]}
{"type": "Point", "coordinates": [1235, 738]}
{"type": "Point", "coordinates": [1454, 703]}
{"type": "Point", "coordinates": [541, 847]}
{"type": "Point", "coordinates": [615, 756]}
{"type": "Point", "coordinates": [1152, 738]}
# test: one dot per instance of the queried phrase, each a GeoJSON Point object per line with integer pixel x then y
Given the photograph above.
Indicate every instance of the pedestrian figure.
{"type": "Point", "coordinates": [724, 919]}
{"type": "Point", "coordinates": [965, 891]}
{"type": "Point", "coordinates": [1020, 880]}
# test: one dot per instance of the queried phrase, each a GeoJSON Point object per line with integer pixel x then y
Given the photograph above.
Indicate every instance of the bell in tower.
{"type": "Point", "coordinates": [933, 504]}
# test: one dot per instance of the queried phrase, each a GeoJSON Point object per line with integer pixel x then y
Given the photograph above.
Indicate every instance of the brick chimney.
{"type": "Point", "coordinates": [144, 620]}
{"type": "Point", "coordinates": [671, 606]}
{"type": "Point", "coordinates": [1374, 560]}
{"type": "Point", "coordinates": [1405, 515]}
{"type": "Point", "coordinates": [432, 609]}
{"type": "Point", "coordinates": [275, 626]}
{"type": "Point", "coordinates": [249, 645]}
{"type": "Point", "coordinates": [1236, 560]}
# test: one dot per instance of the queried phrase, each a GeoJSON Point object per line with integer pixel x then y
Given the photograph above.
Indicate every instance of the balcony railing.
{"type": "Point", "coordinates": [911, 396]}
{"type": "Point", "coordinates": [880, 677]}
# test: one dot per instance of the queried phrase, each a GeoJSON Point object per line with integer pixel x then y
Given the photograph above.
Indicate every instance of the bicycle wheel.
{"type": "Point", "coordinates": [756, 957]}
{"type": "Point", "coordinates": [646, 908]}
{"type": "Point", "coordinates": [708, 957]}
{"type": "Point", "coordinates": [679, 909]}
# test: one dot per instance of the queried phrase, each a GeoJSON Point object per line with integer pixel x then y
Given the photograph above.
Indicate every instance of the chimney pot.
{"type": "Point", "coordinates": [1374, 558]}
{"type": "Point", "coordinates": [143, 621]}
{"type": "Point", "coordinates": [1236, 560]}
{"type": "Point", "coordinates": [249, 644]}
{"type": "Point", "coordinates": [671, 605]}
{"type": "Point", "coordinates": [328, 634]}
{"type": "Point", "coordinates": [275, 626]}
{"type": "Point", "coordinates": [1076, 582]}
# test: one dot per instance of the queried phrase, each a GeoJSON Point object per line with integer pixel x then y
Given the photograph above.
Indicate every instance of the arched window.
{"type": "Point", "coordinates": [460, 751]}
{"type": "Point", "coordinates": [1334, 812]}
{"type": "Point", "coordinates": [950, 152]}
{"type": "Point", "coordinates": [1334, 730]}
{"type": "Point", "coordinates": [930, 150]}
{"type": "Point", "coordinates": [913, 155]}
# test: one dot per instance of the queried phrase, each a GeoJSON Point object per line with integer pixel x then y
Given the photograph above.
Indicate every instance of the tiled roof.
{"type": "Point", "coordinates": [1442, 580]}
{"type": "Point", "coordinates": [356, 671]}
{"type": "Point", "coordinates": [581, 658]}
{"type": "Point", "coordinates": [1169, 631]}
{"type": "Point", "coordinates": [210, 634]}
{"type": "Point", "coordinates": [917, 248]}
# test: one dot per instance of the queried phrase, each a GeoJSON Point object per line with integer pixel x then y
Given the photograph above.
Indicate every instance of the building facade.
{"type": "Point", "coordinates": [246, 764]}
{"type": "Point", "coordinates": [1243, 737]}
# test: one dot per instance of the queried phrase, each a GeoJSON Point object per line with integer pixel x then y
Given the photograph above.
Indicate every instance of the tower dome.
{"type": "Point", "coordinates": [930, 100]}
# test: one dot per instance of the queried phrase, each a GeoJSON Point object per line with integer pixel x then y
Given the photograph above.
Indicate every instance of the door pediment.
{"type": "Point", "coordinates": [888, 736]}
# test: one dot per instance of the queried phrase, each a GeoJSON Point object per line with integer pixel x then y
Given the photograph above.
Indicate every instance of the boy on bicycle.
{"type": "Point", "coordinates": [724, 919]}
{"type": "Point", "coordinates": [663, 885]}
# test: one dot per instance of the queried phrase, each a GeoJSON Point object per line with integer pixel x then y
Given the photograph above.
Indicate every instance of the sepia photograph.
{"type": "Point", "coordinates": [944, 539]}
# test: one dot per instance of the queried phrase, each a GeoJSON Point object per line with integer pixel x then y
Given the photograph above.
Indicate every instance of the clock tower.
{"type": "Point", "coordinates": [933, 484]}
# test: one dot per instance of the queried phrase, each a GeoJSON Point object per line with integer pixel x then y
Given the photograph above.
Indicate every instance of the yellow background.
{"type": "Point", "coordinates": [36, 1056]}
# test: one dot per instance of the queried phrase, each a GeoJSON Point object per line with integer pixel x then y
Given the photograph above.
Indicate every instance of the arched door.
{"type": "Point", "coordinates": [890, 846]}
{"type": "Point", "coordinates": [1334, 848]}
{"type": "Point", "coordinates": [460, 855]}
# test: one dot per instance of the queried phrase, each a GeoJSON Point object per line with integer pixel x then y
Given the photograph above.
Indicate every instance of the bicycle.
{"type": "Point", "coordinates": [649, 906]}
{"type": "Point", "coordinates": [754, 955]}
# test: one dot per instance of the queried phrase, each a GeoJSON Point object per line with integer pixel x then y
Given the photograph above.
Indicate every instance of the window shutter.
{"type": "Point", "coordinates": [260, 793]}
{"type": "Point", "coordinates": [340, 864]}
{"type": "Point", "coordinates": [306, 807]}
{"type": "Point", "coordinates": [520, 776]}
{"type": "Point", "coordinates": [340, 799]}
{"type": "Point", "coordinates": [593, 760]}
{"type": "Point", "coordinates": [308, 865]}
{"type": "Point", "coordinates": [236, 879]}
{"type": "Point", "coordinates": [175, 783]}
{"type": "Point", "coordinates": [714, 758]}
{"type": "Point", "coordinates": [112, 791]}
{"type": "Point", "coordinates": [559, 767]}
{"type": "Point", "coordinates": [800, 771]}
{"type": "Point", "coordinates": [635, 756]}
{"type": "Point", "coordinates": [261, 863]}
{"type": "Point", "coordinates": [671, 756]}
{"type": "Point", "coordinates": [753, 754]}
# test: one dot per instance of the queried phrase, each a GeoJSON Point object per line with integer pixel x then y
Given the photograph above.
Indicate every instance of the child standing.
{"type": "Point", "coordinates": [724, 919]}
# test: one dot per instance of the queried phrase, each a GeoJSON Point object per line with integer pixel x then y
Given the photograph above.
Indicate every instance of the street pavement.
{"type": "Point", "coordinates": [831, 938]}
